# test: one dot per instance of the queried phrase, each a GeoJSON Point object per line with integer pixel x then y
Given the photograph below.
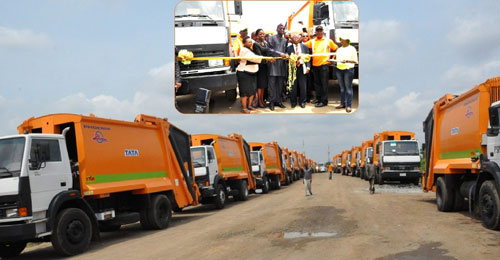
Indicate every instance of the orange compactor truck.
{"type": "Point", "coordinates": [66, 176]}
{"type": "Point", "coordinates": [337, 163]}
{"type": "Point", "coordinates": [396, 157]}
{"type": "Point", "coordinates": [354, 166]}
{"type": "Point", "coordinates": [366, 157]}
{"type": "Point", "coordinates": [287, 161]}
{"type": "Point", "coordinates": [462, 152]}
{"type": "Point", "coordinates": [295, 164]}
{"type": "Point", "coordinates": [222, 168]}
{"type": "Point", "coordinates": [267, 165]}
{"type": "Point", "coordinates": [346, 158]}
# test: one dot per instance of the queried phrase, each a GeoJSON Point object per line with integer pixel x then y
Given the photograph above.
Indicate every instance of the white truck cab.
{"type": "Point", "coordinates": [400, 160]}
{"type": "Point", "coordinates": [205, 165]}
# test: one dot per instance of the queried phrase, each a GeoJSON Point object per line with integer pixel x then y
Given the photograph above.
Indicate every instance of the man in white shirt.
{"type": "Point", "coordinates": [347, 57]}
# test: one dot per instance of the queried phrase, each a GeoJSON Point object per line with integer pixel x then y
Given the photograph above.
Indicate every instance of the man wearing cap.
{"type": "Point", "coordinates": [347, 56]}
{"type": "Point", "coordinates": [320, 64]}
{"type": "Point", "coordinates": [238, 42]}
{"type": "Point", "coordinates": [277, 70]}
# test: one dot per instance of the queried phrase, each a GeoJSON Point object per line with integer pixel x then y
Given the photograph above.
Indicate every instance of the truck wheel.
{"type": "Point", "coordinates": [265, 185]}
{"type": "Point", "coordinates": [278, 182]}
{"type": "Point", "coordinates": [220, 197]}
{"type": "Point", "coordinates": [72, 232]}
{"type": "Point", "coordinates": [444, 196]}
{"type": "Point", "coordinates": [160, 213]}
{"type": "Point", "coordinates": [12, 249]}
{"type": "Point", "coordinates": [231, 95]}
{"type": "Point", "coordinates": [243, 191]}
{"type": "Point", "coordinates": [489, 205]}
{"type": "Point", "coordinates": [108, 227]}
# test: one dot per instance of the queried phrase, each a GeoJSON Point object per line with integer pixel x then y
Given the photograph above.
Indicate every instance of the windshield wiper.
{"type": "Point", "coordinates": [196, 15]}
{"type": "Point", "coordinates": [6, 173]}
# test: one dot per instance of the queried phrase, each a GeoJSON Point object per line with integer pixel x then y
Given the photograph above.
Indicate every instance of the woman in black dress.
{"type": "Point", "coordinates": [246, 73]}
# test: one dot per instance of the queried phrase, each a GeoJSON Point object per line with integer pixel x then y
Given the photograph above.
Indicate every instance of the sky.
{"type": "Point", "coordinates": [113, 58]}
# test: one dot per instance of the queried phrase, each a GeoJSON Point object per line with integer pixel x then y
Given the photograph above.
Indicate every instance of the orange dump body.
{"type": "Point", "coordinates": [233, 156]}
{"type": "Point", "coordinates": [146, 156]}
{"type": "Point", "coordinates": [458, 126]}
{"type": "Point", "coordinates": [364, 146]}
{"type": "Point", "coordinates": [272, 157]}
{"type": "Point", "coordinates": [378, 138]}
{"type": "Point", "coordinates": [344, 158]}
{"type": "Point", "coordinates": [354, 153]}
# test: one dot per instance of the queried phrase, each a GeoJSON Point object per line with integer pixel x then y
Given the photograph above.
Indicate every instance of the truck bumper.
{"type": "Point", "coordinates": [401, 175]}
{"type": "Point", "coordinates": [215, 82]}
{"type": "Point", "coordinates": [17, 232]}
{"type": "Point", "coordinates": [207, 192]}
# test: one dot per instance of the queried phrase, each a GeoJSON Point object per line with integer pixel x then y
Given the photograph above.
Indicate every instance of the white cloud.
{"type": "Point", "coordinates": [460, 78]}
{"type": "Point", "coordinates": [22, 39]}
{"type": "Point", "coordinates": [476, 33]}
{"type": "Point", "coordinates": [383, 45]}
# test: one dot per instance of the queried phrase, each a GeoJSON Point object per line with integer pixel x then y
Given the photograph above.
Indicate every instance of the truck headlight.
{"type": "Point", "coordinates": [11, 213]}
{"type": "Point", "coordinates": [215, 63]}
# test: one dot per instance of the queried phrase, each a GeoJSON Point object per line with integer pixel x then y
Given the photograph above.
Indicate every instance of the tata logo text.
{"type": "Point", "coordinates": [454, 131]}
{"type": "Point", "coordinates": [131, 152]}
{"type": "Point", "coordinates": [469, 112]}
{"type": "Point", "coordinates": [99, 137]}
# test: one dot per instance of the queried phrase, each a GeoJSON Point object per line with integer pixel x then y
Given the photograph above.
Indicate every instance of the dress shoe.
{"type": "Point", "coordinates": [251, 108]}
{"type": "Point", "coordinates": [314, 101]}
{"type": "Point", "coordinates": [271, 106]}
{"type": "Point", "coordinates": [281, 105]}
{"type": "Point", "coordinates": [302, 105]}
{"type": "Point", "coordinates": [294, 105]}
{"type": "Point", "coordinates": [319, 104]}
{"type": "Point", "coordinates": [340, 107]}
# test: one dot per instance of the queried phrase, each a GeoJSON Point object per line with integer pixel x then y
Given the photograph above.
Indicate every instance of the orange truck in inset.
{"type": "Point", "coordinates": [222, 168]}
{"type": "Point", "coordinates": [267, 166]}
{"type": "Point", "coordinates": [462, 152]}
{"type": "Point", "coordinates": [65, 177]}
{"type": "Point", "coordinates": [396, 157]}
{"type": "Point", "coordinates": [366, 157]}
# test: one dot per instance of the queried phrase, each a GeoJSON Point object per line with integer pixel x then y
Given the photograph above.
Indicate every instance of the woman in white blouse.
{"type": "Point", "coordinates": [246, 73]}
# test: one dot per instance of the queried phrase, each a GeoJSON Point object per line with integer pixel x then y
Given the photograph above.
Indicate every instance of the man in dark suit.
{"type": "Point", "coordinates": [303, 69]}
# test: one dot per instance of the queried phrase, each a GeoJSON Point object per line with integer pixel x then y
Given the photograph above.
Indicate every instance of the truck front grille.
{"type": "Point", "coordinates": [201, 64]}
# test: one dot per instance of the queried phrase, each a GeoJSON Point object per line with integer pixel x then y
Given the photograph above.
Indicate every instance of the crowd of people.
{"type": "Point", "coordinates": [262, 71]}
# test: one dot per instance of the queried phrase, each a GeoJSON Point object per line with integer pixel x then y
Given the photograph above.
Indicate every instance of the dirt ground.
{"type": "Point", "coordinates": [341, 220]}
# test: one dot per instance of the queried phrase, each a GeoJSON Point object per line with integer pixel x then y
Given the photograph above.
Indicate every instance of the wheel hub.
{"type": "Point", "coordinates": [75, 231]}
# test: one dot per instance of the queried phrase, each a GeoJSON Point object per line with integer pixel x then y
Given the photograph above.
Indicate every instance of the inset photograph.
{"type": "Point", "coordinates": [266, 57]}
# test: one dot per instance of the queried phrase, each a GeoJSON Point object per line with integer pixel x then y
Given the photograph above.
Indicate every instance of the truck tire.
{"type": "Point", "coordinates": [489, 205]}
{"type": "Point", "coordinates": [287, 180]}
{"type": "Point", "coordinates": [11, 249]}
{"type": "Point", "coordinates": [379, 177]}
{"type": "Point", "coordinates": [72, 232]}
{"type": "Point", "coordinates": [243, 191]}
{"type": "Point", "coordinates": [444, 196]}
{"type": "Point", "coordinates": [144, 219]}
{"type": "Point", "coordinates": [277, 182]}
{"type": "Point", "coordinates": [160, 213]}
{"type": "Point", "coordinates": [265, 185]}
{"type": "Point", "coordinates": [108, 227]}
{"type": "Point", "coordinates": [230, 95]}
{"type": "Point", "coordinates": [220, 197]}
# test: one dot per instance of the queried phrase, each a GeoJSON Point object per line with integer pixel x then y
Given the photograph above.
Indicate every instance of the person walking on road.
{"type": "Point", "coordinates": [320, 64]}
{"type": "Point", "coordinates": [277, 70]}
{"type": "Point", "coordinates": [347, 57]}
{"type": "Point", "coordinates": [330, 171]}
{"type": "Point", "coordinates": [308, 179]}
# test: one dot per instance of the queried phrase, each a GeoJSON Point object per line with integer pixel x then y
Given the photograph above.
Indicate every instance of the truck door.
{"type": "Point", "coordinates": [213, 168]}
{"type": "Point", "coordinates": [53, 175]}
{"type": "Point", "coordinates": [262, 163]}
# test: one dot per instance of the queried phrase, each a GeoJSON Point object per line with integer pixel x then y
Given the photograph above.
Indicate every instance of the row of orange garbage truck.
{"type": "Point", "coordinates": [65, 178]}
{"type": "Point", "coordinates": [460, 155]}
{"type": "Point", "coordinates": [389, 156]}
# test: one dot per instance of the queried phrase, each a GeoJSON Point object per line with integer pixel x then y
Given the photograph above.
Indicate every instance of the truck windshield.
{"type": "Point", "coordinates": [11, 156]}
{"type": "Point", "coordinates": [213, 10]}
{"type": "Point", "coordinates": [345, 11]}
{"type": "Point", "coordinates": [400, 148]}
{"type": "Point", "coordinates": [254, 157]}
{"type": "Point", "coordinates": [198, 157]}
{"type": "Point", "coordinates": [370, 153]}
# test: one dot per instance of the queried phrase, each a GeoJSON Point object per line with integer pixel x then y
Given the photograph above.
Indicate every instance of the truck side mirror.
{"type": "Point", "coordinates": [238, 8]}
{"type": "Point", "coordinates": [494, 121]}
